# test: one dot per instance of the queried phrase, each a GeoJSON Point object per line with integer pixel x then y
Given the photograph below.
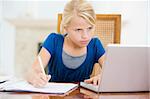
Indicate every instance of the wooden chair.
{"type": "Point", "coordinates": [108, 28]}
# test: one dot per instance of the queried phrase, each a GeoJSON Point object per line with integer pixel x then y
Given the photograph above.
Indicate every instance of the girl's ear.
{"type": "Point", "coordinates": [65, 29]}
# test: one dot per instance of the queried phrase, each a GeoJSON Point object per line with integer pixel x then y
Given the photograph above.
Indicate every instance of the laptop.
{"type": "Point", "coordinates": [125, 69]}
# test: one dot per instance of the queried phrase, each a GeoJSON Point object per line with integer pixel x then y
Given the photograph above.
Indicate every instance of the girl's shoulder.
{"type": "Point", "coordinates": [52, 41]}
{"type": "Point", "coordinates": [94, 40]}
{"type": "Point", "coordinates": [55, 35]}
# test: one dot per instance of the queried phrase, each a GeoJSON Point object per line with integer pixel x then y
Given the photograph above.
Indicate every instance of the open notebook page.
{"type": "Point", "coordinates": [52, 88]}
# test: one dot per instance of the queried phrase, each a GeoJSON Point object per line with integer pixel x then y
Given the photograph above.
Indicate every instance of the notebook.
{"type": "Point", "coordinates": [51, 88]}
{"type": "Point", "coordinates": [4, 79]}
{"type": "Point", "coordinates": [125, 70]}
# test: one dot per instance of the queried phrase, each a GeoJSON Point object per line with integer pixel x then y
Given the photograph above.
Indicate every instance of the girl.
{"type": "Point", "coordinates": [70, 57]}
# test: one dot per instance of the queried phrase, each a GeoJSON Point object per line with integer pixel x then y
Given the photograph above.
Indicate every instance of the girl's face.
{"type": "Point", "coordinates": [79, 31]}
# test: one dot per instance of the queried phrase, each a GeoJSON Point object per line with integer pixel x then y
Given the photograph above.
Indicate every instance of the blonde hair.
{"type": "Point", "coordinates": [79, 8]}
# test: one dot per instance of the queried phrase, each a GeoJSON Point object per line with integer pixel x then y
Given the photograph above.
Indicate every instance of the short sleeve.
{"type": "Point", "coordinates": [49, 43]}
{"type": "Point", "coordinates": [99, 49]}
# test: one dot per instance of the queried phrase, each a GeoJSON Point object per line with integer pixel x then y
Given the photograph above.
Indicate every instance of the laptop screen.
{"type": "Point", "coordinates": [125, 69]}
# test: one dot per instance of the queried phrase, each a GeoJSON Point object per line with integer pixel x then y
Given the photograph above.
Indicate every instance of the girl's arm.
{"type": "Point", "coordinates": [101, 60]}
{"type": "Point", "coordinates": [45, 57]}
{"type": "Point", "coordinates": [34, 75]}
{"type": "Point", "coordinates": [96, 79]}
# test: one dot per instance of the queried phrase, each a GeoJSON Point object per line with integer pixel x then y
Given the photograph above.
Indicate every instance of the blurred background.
{"type": "Point", "coordinates": [24, 24]}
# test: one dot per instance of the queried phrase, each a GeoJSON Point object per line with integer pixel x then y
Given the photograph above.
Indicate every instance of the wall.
{"type": "Point", "coordinates": [7, 46]}
{"type": "Point", "coordinates": [27, 40]}
{"type": "Point", "coordinates": [0, 34]}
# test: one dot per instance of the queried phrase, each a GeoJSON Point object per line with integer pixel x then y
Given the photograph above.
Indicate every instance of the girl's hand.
{"type": "Point", "coordinates": [37, 79]}
{"type": "Point", "coordinates": [94, 80]}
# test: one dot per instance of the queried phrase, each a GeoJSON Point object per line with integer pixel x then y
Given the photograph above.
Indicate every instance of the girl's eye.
{"type": "Point", "coordinates": [90, 28]}
{"type": "Point", "coordinates": [78, 30]}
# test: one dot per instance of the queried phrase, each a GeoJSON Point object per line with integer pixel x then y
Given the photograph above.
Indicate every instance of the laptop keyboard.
{"type": "Point", "coordinates": [89, 86]}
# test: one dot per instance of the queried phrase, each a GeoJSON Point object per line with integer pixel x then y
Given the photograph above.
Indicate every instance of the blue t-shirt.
{"type": "Point", "coordinates": [58, 71]}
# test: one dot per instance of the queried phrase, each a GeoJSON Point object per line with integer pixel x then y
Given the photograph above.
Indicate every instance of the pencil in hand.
{"type": "Point", "coordinates": [41, 64]}
{"type": "Point", "coordinates": [42, 67]}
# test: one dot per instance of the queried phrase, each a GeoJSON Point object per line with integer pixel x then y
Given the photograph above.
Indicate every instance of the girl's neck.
{"type": "Point", "coordinates": [72, 49]}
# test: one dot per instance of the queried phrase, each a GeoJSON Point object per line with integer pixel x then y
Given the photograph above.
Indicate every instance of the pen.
{"type": "Point", "coordinates": [41, 64]}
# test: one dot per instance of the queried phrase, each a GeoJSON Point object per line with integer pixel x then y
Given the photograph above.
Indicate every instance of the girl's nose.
{"type": "Point", "coordinates": [85, 34]}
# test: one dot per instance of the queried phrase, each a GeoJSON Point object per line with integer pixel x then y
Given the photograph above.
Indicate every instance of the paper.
{"type": "Point", "coordinates": [52, 88]}
{"type": "Point", "coordinates": [4, 78]}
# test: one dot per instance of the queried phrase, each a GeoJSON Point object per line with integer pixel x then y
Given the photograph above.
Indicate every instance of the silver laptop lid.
{"type": "Point", "coordinates": [125, 69]}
